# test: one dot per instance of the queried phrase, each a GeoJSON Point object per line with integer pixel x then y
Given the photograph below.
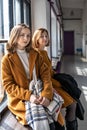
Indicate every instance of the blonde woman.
{"type": "Point", "coordinates": [40, 40]}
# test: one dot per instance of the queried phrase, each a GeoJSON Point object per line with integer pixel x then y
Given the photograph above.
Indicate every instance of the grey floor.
{"type": "Point", "coordinates": [77, 67]}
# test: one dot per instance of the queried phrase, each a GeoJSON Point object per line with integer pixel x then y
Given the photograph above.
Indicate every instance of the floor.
{"type": "Point", "coordinates": [77, 67]}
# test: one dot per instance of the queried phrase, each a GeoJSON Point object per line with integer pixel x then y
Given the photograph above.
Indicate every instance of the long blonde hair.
{"type": "Point", "coordinates": [14, 35]}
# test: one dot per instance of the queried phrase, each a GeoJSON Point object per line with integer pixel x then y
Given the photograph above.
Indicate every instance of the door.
{"type": "Point", "coordinates": [69, 42]}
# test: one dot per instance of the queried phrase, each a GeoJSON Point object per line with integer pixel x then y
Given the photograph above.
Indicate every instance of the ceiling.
{"type": "Point", "coordinates": [72, 9]}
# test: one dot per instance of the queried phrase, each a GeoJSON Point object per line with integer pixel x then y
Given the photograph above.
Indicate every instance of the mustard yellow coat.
{"type": "Point", "coordinates": [67, 98]}
{"type": "Point", "coordinates": [14, 81]}
{"type": "Point", "coordinates": [56, 85]}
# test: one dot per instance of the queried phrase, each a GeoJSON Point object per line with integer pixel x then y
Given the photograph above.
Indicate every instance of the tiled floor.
{"type": "Point", "coordinates": [77, 67]}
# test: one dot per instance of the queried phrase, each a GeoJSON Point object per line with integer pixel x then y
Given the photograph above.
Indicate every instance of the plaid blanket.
{"type": "Point", "coordinates": [39, 117]}
{"type": "Point", "coordinates": [55, 105]}
{"type": "Point", "coordinates": [36, 116]}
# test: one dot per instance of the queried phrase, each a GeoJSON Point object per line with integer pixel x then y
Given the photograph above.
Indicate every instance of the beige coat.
{"type": "Point", "coordinates": [15, 82]}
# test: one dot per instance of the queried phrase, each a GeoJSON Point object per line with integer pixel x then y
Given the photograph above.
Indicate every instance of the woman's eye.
{"type": "Point", "coordinates": [25, 35]}
{"type": "Point", "coordinates": [43, 36]}
{"type": "Point", "coordinates": [28, 36]}
{"type": "Point", "coordinates": [21, 35]}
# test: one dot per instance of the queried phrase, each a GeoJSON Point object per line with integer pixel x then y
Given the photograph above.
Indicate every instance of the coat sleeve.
{"type": "Point", "coordinates": [46, 79]}
{"type": "Point", "coordinates": [9, 83]}
{"type": "Point", "coordinates": [47, 61]}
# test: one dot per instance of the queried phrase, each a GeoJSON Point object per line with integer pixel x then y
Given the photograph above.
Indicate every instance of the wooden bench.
{"type": "Point", "coordinates": [9, 122]}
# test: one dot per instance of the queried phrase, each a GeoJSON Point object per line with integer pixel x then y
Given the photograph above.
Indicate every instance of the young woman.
{"type": "Point", "coordinates": [41, 39]}
{"type": "Point", "coordinates": [17, 73]}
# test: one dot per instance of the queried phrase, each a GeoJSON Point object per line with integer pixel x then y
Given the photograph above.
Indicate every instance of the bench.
{"type": "Point", "coordinates": [79, 51]}
{"type": "Point", "coordinates": [9, 122]}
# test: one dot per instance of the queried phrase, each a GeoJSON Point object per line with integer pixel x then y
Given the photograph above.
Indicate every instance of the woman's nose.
{"type": "Point", "coordinates": [45, 37]}
{"type": "Point", "coordinates": [26, 37]}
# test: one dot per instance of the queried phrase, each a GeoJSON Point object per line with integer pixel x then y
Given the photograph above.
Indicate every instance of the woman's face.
{"type": "Point", "coordinates": [43, 40]}
{"type": "Point", "coordinates": [24, 38]}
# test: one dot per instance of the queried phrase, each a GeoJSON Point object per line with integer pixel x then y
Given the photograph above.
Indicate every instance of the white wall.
{"type": "Point", "coordinates": [40, 16]}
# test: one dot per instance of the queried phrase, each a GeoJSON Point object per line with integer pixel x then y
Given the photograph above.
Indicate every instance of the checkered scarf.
{"type": "Point", "coordinates": [38, 116]}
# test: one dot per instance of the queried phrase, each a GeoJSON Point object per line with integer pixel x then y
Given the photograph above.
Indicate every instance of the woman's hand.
{"type": "Point", "coordinates": [34, 99]}
{"type": "Point", "coordinates": [44, 101]}
{"type": "Point", "coordinates": [54, 90]}
{"type": "Point", "coordinates": [39, 100]}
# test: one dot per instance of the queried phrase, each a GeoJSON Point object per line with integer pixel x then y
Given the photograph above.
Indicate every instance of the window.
{"type": "Point", "coordinates": [3, 98]}
{"type": "Point", "coordinates": [21, 11]}
{"type": "Point", "coordinates": [5, 19]}
{"type": "Point", "coordinates": [17, 12]}
{"type": "Point", "coordinates": [1, 18]}
{"type": "Point", "coordinates": [4, 33]}
{"type": "Point", "coordinates": [54, 35]}
{"type": "Point", "coordinates": [27, 13]}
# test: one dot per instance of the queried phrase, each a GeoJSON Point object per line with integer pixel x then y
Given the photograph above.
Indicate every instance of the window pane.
{"type": "Point", "coordinates": [6, 19]}
{"type": "Point", "coordinates": [54, 38]}
{"type": "Point", "coordinates": [27, 13]}
{"type": "Point", "coordinates": [1, 87]}
{"type": "Point", "coordinates": [1, 19]}
{"type": "Point", "coordinates": [17, 12]}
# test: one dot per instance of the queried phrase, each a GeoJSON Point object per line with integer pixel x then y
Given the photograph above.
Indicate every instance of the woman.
{"type": "Point", "coordinates": [40, 39]}
{"type": "Point", "coordinates": [17, 73]}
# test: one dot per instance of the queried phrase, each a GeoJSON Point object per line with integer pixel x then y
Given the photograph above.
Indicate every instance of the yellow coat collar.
{"type": "Point", "coordinates": [16, 61]}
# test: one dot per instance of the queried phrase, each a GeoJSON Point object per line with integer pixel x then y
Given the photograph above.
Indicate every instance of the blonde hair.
{"type": "Point", "coordinates": [36, 36]}
{"type": "Point", "coordinates": [14, 35]}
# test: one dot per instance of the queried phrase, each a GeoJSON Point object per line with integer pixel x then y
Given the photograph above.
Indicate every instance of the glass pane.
{"type": "Point", "coordinates": [1, 19]}
{"type": "Point", "coordinates": [26, 13]}
{"type": "Point", "coordinates": [18, 13]}
{"type": "Point", "coordinates": [1, 88]}
{"type": "Point", "coordinates": [6, 18]}
{"type": "Point", "coordinates": [3, 98]}
{"type": "Point", "coordinates": [54, 34]}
